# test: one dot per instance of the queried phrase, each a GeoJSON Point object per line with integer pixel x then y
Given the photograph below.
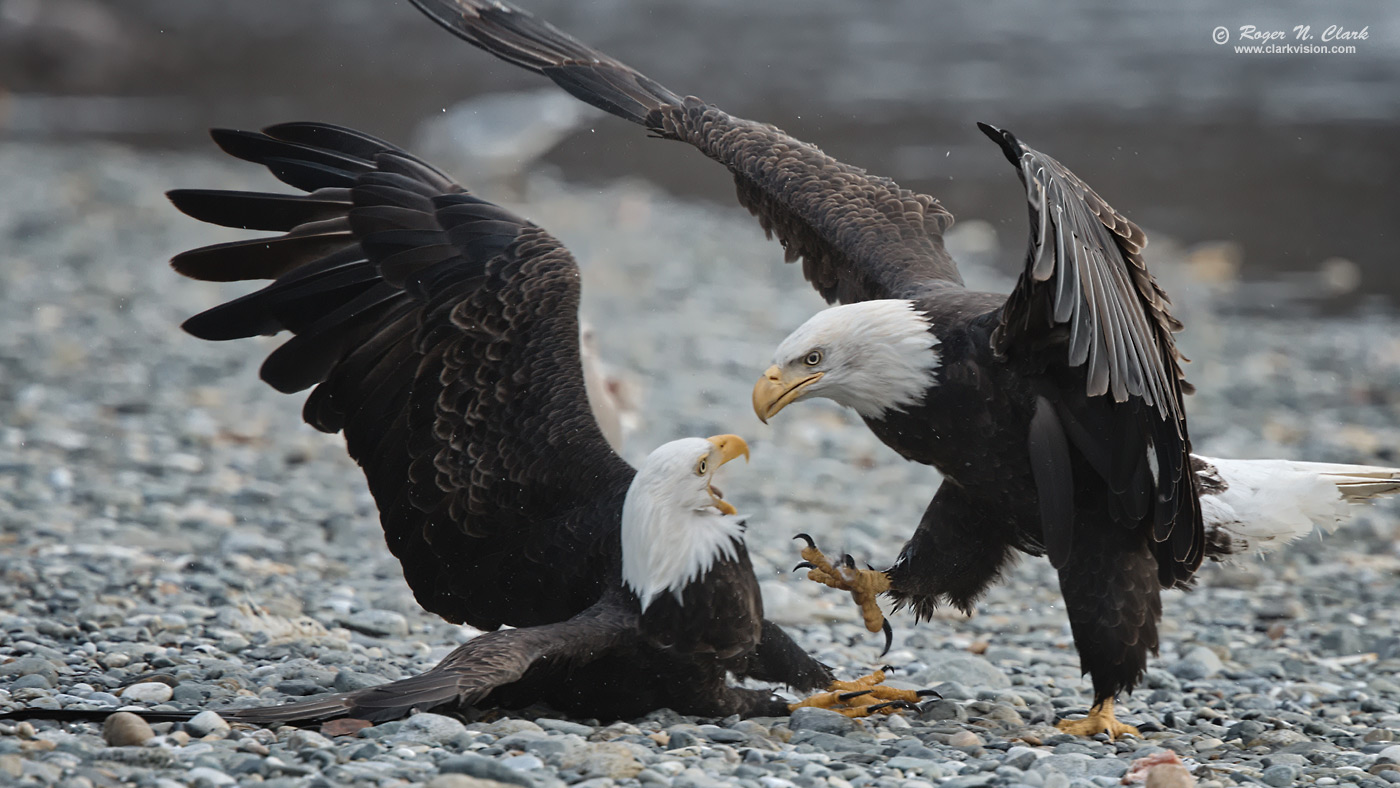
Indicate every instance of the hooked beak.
{"type": "Point", "coordinates": [729, 447]}
{"type": "Point", "coordinates": [773, 392]}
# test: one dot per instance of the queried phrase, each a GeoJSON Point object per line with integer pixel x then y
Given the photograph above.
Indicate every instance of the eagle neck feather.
{"type": "Point", "coordinates": [664, 550]}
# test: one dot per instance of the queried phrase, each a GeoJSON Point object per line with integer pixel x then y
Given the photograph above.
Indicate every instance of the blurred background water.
{"type": "Point", "coordinates": [1290, 159]}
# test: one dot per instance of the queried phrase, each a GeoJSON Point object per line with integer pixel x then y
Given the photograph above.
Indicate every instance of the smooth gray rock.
{"type": "Point", "coordinates": [966, 669]}
{"type": "Point", "coordinates": [809, 718]}
{"type": "Point", "coordinates": [1280, 776]}
{"type": "Point", "coordinates": [484, 768]}
{"type": "Point", "coordinates": [205, 723]}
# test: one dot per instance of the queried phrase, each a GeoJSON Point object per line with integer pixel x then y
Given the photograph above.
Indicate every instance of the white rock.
{"type": "Point", "coordinates": [148, 692]}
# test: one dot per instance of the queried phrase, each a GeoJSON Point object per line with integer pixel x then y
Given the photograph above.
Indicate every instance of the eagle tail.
{"type": "Point", "coordinates": [519, 38]}
{"type": "Point", "coordinates": [391, 701]}
{"type": "Point", "coordinates": [1260, 505]}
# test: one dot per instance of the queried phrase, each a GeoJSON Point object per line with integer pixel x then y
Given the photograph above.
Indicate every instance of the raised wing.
{"type": "Point", "coordinates": [441, 334]}
{"type": "Point", "coordinates": [860, 236]}
{"type": "Point", "coordinates": [1085, 305]}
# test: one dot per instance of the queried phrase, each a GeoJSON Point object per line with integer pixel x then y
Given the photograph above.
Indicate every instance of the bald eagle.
{"type": "Point", "coordinates": [441, 334]}
{"type": "Point", "coordinates": [1055, 413]}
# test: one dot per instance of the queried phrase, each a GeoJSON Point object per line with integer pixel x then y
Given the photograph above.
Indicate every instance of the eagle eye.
{"type": "Point", "coordinates": [814, 358]}
{"type": "Point", "coordinates": [702, 466]}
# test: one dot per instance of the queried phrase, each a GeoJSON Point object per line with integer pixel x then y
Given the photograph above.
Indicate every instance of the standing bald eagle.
{"type": "Point", "coordinates": [441, 334]}
{"type": "Point", "coordinates": [1054, 414]}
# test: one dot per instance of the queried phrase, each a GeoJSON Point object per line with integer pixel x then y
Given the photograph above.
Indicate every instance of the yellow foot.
{"type": "Point", "coordinates": [864, 696]}
{"type": "Point", "coordinates": [1100, 720]}
{"type": "Point", "coordinates": [865, 585]}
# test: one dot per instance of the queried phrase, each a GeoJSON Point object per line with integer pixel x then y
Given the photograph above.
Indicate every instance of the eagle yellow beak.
{"type": "Point", "coordinates": [729, 447]}
{"type": "Point", "coordinates": [773, 391]}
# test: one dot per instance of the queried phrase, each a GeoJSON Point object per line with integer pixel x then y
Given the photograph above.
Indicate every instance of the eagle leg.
{"type": "Point", "coordinates": [1100, 720]}
{"type": "Point", "coordinates": [865, 585]}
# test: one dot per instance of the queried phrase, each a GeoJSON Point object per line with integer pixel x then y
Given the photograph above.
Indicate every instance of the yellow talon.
{"type": "Point", "coordinates": [865, 585]}
{"type": "Point", "coordinates": [863, 696]}
{"type": "Point", "coordinates": [1101, 719]}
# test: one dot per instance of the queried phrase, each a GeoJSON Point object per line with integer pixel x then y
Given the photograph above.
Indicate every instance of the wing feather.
{"type": "Point", "coordinates": [860, 236]}
{"type": "Point", "coordinates": [467, 675]}
{"type": "Point", "coordinates": [441, 334]}
{"type": "Point", "coordinates": [1118, 370]}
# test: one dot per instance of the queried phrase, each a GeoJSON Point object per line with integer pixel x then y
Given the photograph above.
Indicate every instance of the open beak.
{"type": "Point", "coordinates": [773, 392]}
{"type": "Point", "coordinates": [729, 447]}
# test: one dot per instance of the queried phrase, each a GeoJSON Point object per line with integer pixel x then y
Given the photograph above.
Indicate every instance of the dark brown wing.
{"type": "Point", "coordinates": [860, 236]}
{"type": "Point", "coordinates": [441, 333]}
{"type": "Point", "coordinates": [467, 675]}
{"type": "Point", "coordinates": [1086, 310]}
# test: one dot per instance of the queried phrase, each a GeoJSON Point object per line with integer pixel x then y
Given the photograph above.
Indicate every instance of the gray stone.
{"type": "Point", "coordinates": [1070, 765]}
{"type": "Point", "coordinates": [522, 763]}
{"type": "Point", "coordinates": [27, 666]}
{"type": "Point", "coordinates": [723, 735]}
{"type": "Point", "coordinates": [483, 768]}
{"type": "Point", "coordinates": [144, 757]}
{"type": "Point", "coordinates": [923, 766]}
{"type": "Point", "coordinates": [809, 718]}
{"type": "Point", "coordinates": [966, 669]}
{"type": "Point", "coordinates": [943, 710]}
{"type": "Point", "coordinates": [1156, 678]}
{"type": "Point", "coordinates": [611, 759]}
{"type": "Point", "coordinates": [350, 680]}
{"type": "Point", "coordinates": [205, 723]}
{"type": "Point", "coordinates": [204, 775]}
{"type": "Point", "coordinates": [437, 728]}
{"type": "Point", "coordinates": [1280, 775]}
{"type": "Point", "coordinates": [124, 729]}
{"type": "Point", "coordinates": [829, 742]}
{"type": "Point", "coordinates": [1342, 641]}
{"type": "Point", "coordinates": [1199, 663]}
{"type": "Point", "coordinates": [377, 623]}
{"type": "Point", "coordinates": [565, 726]}
{"type": "Point", "coordinates": [31, 681]}
{"type": "Point", "coordinates": [461, 781]}
{"type": "Point", "coordinates": [1277, 739]}
{"type": "Point", "coordinates": [1106, 767]}
{"type": "Point", "coordinates": [1021, 757]}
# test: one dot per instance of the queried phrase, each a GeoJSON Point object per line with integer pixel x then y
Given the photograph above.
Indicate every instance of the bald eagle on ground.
{"type": "Point", "coordinates": [441, 335]}
{"type": "Point", "coordinates": [1054, 413]}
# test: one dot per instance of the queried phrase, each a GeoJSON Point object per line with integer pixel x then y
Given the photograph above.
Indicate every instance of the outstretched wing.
{"type": "Point", "coordinates": [441, 334]}
{"type": "Point", "coordinates": [469, 674]}
{"type": "Point", "coordinates": [1086, 308]}
{"type": "Point", "coordinates": [860, 236]}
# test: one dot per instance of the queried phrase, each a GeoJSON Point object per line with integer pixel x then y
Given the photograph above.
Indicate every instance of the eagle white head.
{"type": "Point", "coordinates": [675, 523]}
{"type": "Point", "coordinates": [872, 356]}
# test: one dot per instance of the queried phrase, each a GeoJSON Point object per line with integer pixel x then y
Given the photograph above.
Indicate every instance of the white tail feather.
{"type": "Point", "coordinates": [1260, 505]}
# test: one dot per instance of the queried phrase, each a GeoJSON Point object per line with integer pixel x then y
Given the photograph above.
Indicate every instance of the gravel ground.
{"type": "Point", "coordinates": [171, 533]}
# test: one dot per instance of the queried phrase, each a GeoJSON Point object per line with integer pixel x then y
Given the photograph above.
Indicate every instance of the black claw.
{"type": "Point", "coordinates": [894, 704]}
{"type": "Point", "coordinates": [804, 565]}
{"type": "Point", "coordinates": [849, 561]}
{"type": "Point", "coordinates": [846, 696]}
{"type": "Point", "coordinates": [889, 636]}
{"type": "Point", "coordinates": [928, 693]}
{"type": "Point", "coordinates": [887, 668]}
{"type": "Point", "coordinates": [868, 566]}
{"type": "Point", "coordinates": [807, 539]}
